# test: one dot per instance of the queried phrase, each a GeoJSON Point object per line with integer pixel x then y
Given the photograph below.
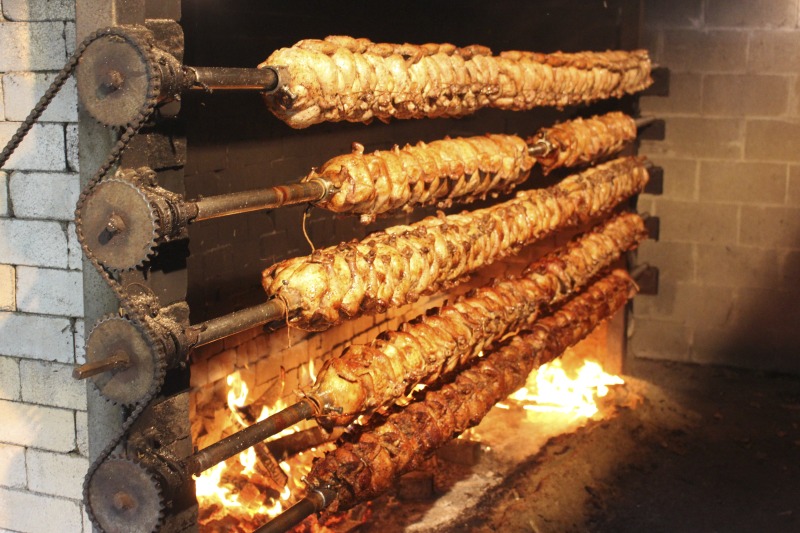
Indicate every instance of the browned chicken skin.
{"type": "Point", "coordinates": [462, 169]}
{"type": "Point", "coordinates": [342, 78]}
{"type": "Point", "coordinates": [369, 465]}
{"type": "Point", "coordinates": [397, 266]}
{"type": "Point", "coordinates": [373, 376]}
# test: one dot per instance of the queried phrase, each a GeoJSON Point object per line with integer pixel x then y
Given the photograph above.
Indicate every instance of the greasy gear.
{"type": "Point", "coordinates": [125, 497]}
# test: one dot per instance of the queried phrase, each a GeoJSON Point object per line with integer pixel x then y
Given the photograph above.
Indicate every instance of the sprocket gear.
{"type": "Point", "coordinates": [119, 223]}
{"type": "Point", "coordinates": [113, 335]}
{"type": "Point", "coordinates": [125, 497]}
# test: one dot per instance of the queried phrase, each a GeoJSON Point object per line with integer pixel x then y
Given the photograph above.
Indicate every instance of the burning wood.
{"type": "Point", "coordinates": [369, 465]}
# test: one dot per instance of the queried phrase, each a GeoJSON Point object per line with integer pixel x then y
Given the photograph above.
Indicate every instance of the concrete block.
{"type": "Point", "coordinates": [790, 269]}
{"type": "Point", "coordinates": [34, 513]}
{"type": "Point", "coordinates": [12, 465]}
{"type": "Point", "coordinates": [773, 140]}
{"type": "Point", "coordinates": [74, 250]}
{"type": "Point", "coordinates": [769, 308]}
{"type": "Point", "coordinates": [27, 10]}
{"type": "Point", "coordinates": [770, 226]}
{"type": "Point", "coordinates": [50, 196]}
{"type": "Point", "coordinates": [80, 341]}
{"type": "Point", "coordinates": [32, 46]}
{"type": "Point", "coordinates": [700, 305]}
{"type": "Point", "coordinates": [673, 13]}
{"type": "Point", "coordinates": [750, 95]}
{"type": "Point", "coordinates": [49, 292]}
{"type": "Point", "coordinates": [742, 181]}
{"type": "Point", "coordinates": [2, 106]}
{"type": "Point", "coordinates": [70, 37]}
{"type": "Point", "coordinates": [705, 51]}
{"type": "Point", "coordinates": [73, 164]}
{"type": "Point", "coordinates": [696, 221]}
{"type": "Point", "coordinates": [33, 242]}
{"type": "Point", "coordinates": [699, 137]}
{"type": "Point", "coordinates": [685, 96]}
{"type": "Point", "coordinates": [9, 379]}
{"type": "Point", "coordinates": [675, 260]}
{"type": "Point", "coordinates": [42, 149]}
{"type": "Point", "coordinates": [793, 188]}
{"type": "Point", "coordinates": [737, 266]}
{"type": "Point", "coordinates": [680, 177]}
{"type": "Point", "coordinates": [747, 346]}
{"type": "Point", "coordinates": [4, 212]}
{"type": "Point", "coordinates": [8, 283]}
{"type": "Point", "coordinates": [774, 52]}
{"type": "Point", "coordinates": [51, 384]}
{"type": "Point", "coordinates": [36, 337]}
{"type": "Point", "coordinates": [743, 13]}
{"type": "Point", "coordinates": [41, 427]}
{"type": "Point", "coordinates": [57, 474]}
{"type": "Point", "coordinates": [661, 305]}
{"type": "Point", "coordinates": [660, 339]}
{"type": "Point", "coordinates": [82, 432]}
{"type": "Point", "coordinates": [22, 90]}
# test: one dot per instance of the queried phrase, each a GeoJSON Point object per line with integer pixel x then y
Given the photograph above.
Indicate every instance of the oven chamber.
{"type": "Point", "coordinates": [227, 141]}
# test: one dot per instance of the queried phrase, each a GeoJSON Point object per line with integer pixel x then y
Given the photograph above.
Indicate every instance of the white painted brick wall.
{"type": "Point", "coordinates": [50, 292]}
{"type": "Point", "coordinates": [34, 513]}
{"type": "Point", "coordinates": [12, 464]}
{"type": "Point", "coordinates": [37, 426]}
{"type": "Point", "coordinates": [33, 242]}
{"type": "Point", "coordinates": [3, 194]}
{"type": "Point", "coordinates": [43, 420]}
{"type": "Point", "coordinates": [9, 379]}
{"type": "Point", "coordinates": [54, 474]}
{"type": "Point", "coordinates": [44, 195]}
{"type": "Point", "coordinates": [42, 149]}
{"type": "Point", "coordinates": [22, 90]}
{"type": "Point", "coordinates": [45, 338]}
{"type": "Point", "coordinates": [28, 10]}
{"type": "Point", "coordinates": [32, 46]}
{"type": "Point", "coordinates": [7, 285]}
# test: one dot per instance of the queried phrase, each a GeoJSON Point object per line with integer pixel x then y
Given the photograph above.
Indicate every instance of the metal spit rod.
{"type": "Point", "coordinates": [315, 501]}
{"type": "Point", "coordinates": [248, 437]}
{"type": "Point", "coordinates": [258, 199]}
{"type": "Point", "coordinates": [243, 79]}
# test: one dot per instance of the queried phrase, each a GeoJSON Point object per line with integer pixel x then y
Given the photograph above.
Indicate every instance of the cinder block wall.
{"type": "Point", "coordinates": [730, 216]}
{"type": "Point", "coordinates": [43, 445]}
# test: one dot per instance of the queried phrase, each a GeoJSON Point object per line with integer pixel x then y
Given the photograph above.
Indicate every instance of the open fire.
{"type": "Point", "coordinates": [242, 493]}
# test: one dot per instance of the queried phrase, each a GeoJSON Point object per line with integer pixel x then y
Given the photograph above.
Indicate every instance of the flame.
{"type": "Point", "coordinates": [552, 389]}
{"type": "Point", "coordinates": [239, 487]}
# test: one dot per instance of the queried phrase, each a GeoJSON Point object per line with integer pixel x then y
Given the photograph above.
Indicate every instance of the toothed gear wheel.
{"type": "Point", "coordinates": [115, 75]}
{"type": "Point", "coordinates": [125, 497]}
{"type": "Point", "coordinates": [131, 384]}
{"type": "Point", "coordinates": [119, 224]}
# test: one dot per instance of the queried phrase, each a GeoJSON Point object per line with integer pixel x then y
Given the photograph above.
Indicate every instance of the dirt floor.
{"type": "Point", "coordinates": [706, 450]}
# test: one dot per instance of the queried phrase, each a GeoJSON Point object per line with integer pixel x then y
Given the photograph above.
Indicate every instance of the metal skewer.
{"type": "Point", "coordinates": [314, 502]}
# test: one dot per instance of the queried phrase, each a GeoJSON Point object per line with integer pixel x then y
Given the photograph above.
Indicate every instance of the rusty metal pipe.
{"type": "Point", "coordinates": [248, 437]}
{"type": "Point", "coordinates": [300, 441]}
{"type": "Point", "coordinates": [314, 502]}
{"type": "Point", "coordinates": [641, 122]}
{"type": "Point", "coordinates": [243, 79]}
{"type": "Point", "coordinates": [256, 200]}
{"type": "Point", "coordinates": [230, 324]}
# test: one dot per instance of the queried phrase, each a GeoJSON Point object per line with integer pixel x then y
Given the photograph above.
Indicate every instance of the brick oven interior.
{"type": "Point", "coordinates": [704, 435]}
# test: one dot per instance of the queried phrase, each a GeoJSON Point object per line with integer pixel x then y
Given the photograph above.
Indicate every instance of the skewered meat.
{"type": "Point", "coordinates": [424, 174]}
{"type": "Point", "coordinates": [583, 141]}
{"type": "Point", "coordinates": [397, 266]}
{"type": "Point", "coordinates": [464, 168]}
{"type": "Point", "coordinates": [361, 470]}
{"type": "Point", "coordinates": [372, 377]}
{"type": "Point", "coordinates": [342, 78]}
